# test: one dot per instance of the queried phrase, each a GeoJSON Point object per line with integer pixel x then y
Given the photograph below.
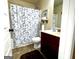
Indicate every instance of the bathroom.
{"type": "Point", "coordinates": [32, 21]}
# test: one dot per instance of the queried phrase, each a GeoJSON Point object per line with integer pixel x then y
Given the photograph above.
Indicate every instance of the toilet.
{"type": "Point", "coordinates": [36, 41]}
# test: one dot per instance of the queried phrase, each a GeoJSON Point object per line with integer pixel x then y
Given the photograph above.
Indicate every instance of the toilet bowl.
{"type": "Point", "coordinates": [36, 41]}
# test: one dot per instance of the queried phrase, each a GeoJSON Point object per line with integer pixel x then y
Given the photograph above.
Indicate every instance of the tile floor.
{"type": "Point", "coordinates": [17, 52]}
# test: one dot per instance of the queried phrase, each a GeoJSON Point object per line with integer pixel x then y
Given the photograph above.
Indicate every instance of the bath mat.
{"type": "Point", "coordinates": [32, 55]}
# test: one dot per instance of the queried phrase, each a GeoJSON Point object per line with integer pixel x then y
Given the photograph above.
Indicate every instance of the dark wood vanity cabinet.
{"type": "Point", "coordinates": [49, 45]}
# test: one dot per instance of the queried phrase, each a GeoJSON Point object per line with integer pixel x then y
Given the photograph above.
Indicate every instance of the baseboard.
{"type": "Point", "coordinates": [21, 45]}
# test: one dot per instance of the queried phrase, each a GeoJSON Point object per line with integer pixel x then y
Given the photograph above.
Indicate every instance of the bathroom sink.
{"type": "Point", "coordinates": [52, 33]}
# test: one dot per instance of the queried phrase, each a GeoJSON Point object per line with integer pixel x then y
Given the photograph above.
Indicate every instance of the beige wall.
{"type": "Point", "coordinates": [47, 4]}
{"type": "Point", "coordinates": [22, 3]}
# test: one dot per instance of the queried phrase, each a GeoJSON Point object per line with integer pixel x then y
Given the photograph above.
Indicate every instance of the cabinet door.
{"type": "Point", "coordinates": [44, 38]}
{"type": "Point", "coordinates": [53, 42]}
{"type": "Point", "coordinates": [44, 44]}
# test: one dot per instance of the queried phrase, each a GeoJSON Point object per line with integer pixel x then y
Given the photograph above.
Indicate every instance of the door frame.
{"type": "Point", "coordinates": [67, 30]}
{"type": "Point", "coordinates": [77, 29]}
{"type": "Point", "coordinates": [4, 29]}
{"type": "Point", "coordinates": [66, 27]}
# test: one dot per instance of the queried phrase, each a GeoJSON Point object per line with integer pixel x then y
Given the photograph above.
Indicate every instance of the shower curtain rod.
{"type": "Point", "coordinates": [16, 3]}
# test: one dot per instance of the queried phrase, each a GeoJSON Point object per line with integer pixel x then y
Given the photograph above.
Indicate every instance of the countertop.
{"type": "Point", "coordinates": [51, 32]}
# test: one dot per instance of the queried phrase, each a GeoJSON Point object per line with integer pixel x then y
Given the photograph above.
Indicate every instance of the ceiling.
{"type": "Point", "coordinates": [31, 1]}
{"type": "Point", "coordinates": [35, 1]}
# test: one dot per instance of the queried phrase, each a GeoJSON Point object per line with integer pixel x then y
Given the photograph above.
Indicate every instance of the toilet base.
{"type": "Point", "coordinates": [37, 45]}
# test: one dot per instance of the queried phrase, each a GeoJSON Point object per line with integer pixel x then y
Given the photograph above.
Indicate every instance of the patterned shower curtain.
{"type": "Point", "coordinates": [26, 24]}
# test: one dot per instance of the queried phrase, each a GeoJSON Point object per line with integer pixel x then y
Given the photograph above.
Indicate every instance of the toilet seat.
{"type": "Point", "coordinates": [36, 39]}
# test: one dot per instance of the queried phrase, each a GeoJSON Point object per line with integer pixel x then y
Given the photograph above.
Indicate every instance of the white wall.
{"type": "Point", "coordinates": [67, 29]}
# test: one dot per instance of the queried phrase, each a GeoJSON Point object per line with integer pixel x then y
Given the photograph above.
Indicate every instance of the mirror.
{"type": "Point", "coordinates": [57, 15]}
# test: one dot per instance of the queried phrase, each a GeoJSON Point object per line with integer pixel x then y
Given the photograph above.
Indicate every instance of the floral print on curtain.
{"type": "Point", "coordinates": [25, 22]}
